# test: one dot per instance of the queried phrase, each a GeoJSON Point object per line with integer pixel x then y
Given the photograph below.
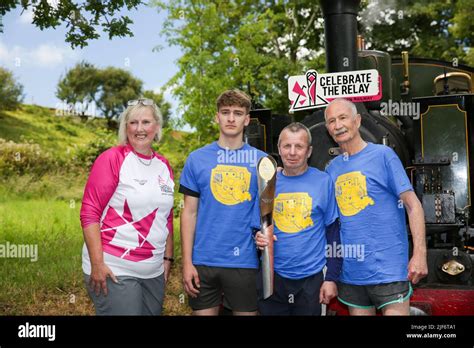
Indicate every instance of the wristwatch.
{"type": "Point", "coordinates": [170, 259]}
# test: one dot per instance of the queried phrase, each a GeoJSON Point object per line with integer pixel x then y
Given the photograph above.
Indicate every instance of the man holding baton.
{"type": "Point", "coordinates": [305, 221]}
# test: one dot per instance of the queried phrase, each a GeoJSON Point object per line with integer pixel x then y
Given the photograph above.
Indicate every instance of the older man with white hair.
{"type": "Point", "coordinates": [372, 192]}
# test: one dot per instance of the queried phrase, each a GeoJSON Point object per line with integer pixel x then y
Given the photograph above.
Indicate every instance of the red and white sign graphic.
{"type": "Point", "coordinates": [314, 90]}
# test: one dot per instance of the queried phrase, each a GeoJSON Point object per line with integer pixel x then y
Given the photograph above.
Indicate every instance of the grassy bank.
{"type": "Point", "coordinates": [53, 284]}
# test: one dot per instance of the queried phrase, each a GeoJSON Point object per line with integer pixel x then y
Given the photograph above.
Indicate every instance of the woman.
{"type": "Point", "coordinates": [127, 219]}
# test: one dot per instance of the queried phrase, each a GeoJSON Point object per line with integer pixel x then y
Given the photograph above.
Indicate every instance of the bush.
{"type": "Point", "coordinates": [11, 92]}
{"type": "Point", "coordinates": [38, 111]}
{"type": "Point", "coordinates": [25, 158]}
{"type": "Point", "coordinates": [86, 155]}
{"type": "Point", "coordinates": [65, 130]}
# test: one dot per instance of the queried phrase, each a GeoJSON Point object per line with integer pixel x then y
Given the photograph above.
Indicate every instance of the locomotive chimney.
{"type": "Point", "coordinates": [340, 28]}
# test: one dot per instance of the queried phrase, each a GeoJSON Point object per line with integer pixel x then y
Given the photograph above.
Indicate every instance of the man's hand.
{"type": "Point", "coordinates": [190, 279]}
{"type": "Point", "coordinates": [261, 240]}
{"type": "Point", "coordinates": [98, 278]}
{"type": "Point", "coordinates": [327, 292]}
{"type": "Point", "coordinates": [417, 268]}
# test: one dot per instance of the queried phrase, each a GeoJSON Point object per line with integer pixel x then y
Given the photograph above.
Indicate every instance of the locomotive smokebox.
{"type": "Point", "coordinates": [340, 28]}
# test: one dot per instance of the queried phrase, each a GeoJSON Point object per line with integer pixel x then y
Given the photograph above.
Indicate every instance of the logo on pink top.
{"type": "Point", "coordinates": [113, 220]}
{"type": "Point", "coordinates": [165, 189]}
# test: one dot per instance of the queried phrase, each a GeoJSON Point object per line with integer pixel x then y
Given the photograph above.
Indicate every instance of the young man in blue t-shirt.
{"type": "Point", "coordinates": [372, 190]}
{"type": "Point", "coordinates": [219, 215]}
{"type": "Point", "coordinates": [306, 228]}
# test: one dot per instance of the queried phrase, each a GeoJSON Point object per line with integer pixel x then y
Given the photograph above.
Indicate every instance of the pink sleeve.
{"type": "Point", "coordinates": [101, 185]}
{"type": "Point", "coordinates": [169, 225]}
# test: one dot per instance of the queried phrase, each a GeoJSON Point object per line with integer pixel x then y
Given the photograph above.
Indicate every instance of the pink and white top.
{"type": "Point", "coordinates": [131, 197]}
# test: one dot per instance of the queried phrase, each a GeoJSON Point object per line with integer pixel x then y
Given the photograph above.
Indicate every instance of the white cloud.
{"type": "Point", "coordinates": [10, 56]}
{"type": "Point", "coordinates": [26, 17]}
{"type": "Point", "coordinates": [45, 55]}
{"type": "Point", "coordinates": [53, 3]}
{"type": "Point", "coordinates": [28, 14]}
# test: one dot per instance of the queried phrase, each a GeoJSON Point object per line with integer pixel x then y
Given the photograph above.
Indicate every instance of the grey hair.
{"type": "Point", "coordinates": [129, 111]}
{"type": "Point", "coordinates": [346, 102]}
{"type": "Point", "coordinates": [294, 128]}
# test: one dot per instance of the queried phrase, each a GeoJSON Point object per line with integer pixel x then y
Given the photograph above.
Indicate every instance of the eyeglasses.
{"type": "Point", "coordinates": [143, 101]}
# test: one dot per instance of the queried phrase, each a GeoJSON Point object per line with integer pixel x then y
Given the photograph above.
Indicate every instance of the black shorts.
{"type": "Point", "coordinates": [370, 296]}
{"type": "Point", "coordinates": [236, 286]}
{"type": "Point", "coordinates": [291, 296]}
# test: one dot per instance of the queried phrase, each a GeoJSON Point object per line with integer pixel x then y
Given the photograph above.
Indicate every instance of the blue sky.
{"type": "Point", "coordinates": [39, 58]}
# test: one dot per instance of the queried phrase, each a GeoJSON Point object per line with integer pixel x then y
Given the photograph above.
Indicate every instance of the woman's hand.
{"type": "Point", "coordinates": [167, 264]}
{"type": "Point", "coordinates": [98, 278]}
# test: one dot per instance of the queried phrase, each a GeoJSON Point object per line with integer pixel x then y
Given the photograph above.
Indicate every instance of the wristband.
{"type": "Point", "coordinates": [170, 259]}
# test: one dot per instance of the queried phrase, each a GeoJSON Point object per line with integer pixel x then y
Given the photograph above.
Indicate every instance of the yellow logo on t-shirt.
{"type": "Point", "coordinates": [351, 193]}
{"type": "Point", "coordinates": [230, 184]}
{"type": "Point", "coordinates": [292, 211]}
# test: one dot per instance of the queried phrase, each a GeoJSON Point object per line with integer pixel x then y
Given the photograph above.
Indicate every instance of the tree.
{"type": "Point", "coordinates": [164, 106]}
{"type": "Point", "coordinates": [435, 29]}
{"type": "Point", "coordinates": [109, 89]}
{"type": "Point", "coordinates": [81, 84]}
{"type": "Point", "coordinates": [82, 18]}
{"type": "Point", "coordinates": [11, 92]}
{"type": "Point", "coordinates": [251, 45]}
{"type": "Point", "coordinates": [257, 45]}
{"type": "Point", "coordinates": [463, 27]}
{"type": "Point", "coordinates": [117, 87]}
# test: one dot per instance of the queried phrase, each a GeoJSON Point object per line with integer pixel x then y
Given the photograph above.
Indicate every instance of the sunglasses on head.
{"type": "Point", "coordinates": [143, 101]}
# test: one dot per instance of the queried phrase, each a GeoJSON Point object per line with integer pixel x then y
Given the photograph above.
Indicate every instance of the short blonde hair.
{"type": "Point", "coordinates": [131, 110]}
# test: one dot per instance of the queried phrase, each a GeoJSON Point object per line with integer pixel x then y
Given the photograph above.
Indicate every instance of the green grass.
{"type": "Point", "coordinates": [56, 134]}
{"type": "Point", "coordinates": [51, 187]}
{"type": "Point", "coordinates": [53, 285]}
{"type": "Point", "coordinates": [54, 227]}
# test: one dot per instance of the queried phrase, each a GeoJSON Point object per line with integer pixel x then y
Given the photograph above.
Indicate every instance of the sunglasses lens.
{"type": "Point", "coordinates": [146, 102]}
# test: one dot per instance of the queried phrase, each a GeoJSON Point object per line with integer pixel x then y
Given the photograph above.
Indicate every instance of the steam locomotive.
{"type": "Point", "coordinates": [426, 114]}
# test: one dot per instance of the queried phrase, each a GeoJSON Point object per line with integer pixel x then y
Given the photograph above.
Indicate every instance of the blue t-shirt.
{"type": "Point", "coordinates": [304, 206]}
{"type": "Point", "coordinates": [373, 227]}
{"type": "Point", "coordinates": [225, 182]}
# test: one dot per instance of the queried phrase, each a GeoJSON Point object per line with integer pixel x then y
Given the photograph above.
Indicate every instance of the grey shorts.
{"type": "Point", "coordinates": [235, 287]}
{"type": "Point", "coordinates": [130, 296]}
{"type": "Point", "coordinates": [370, 296]}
